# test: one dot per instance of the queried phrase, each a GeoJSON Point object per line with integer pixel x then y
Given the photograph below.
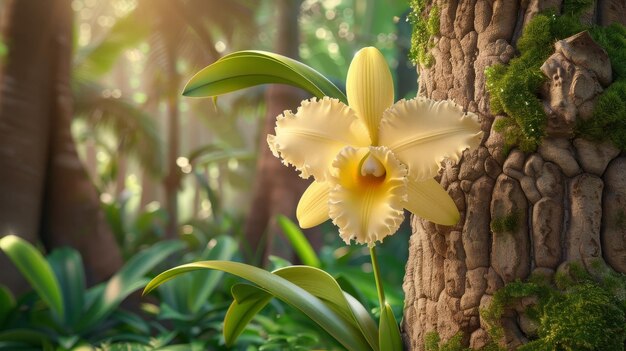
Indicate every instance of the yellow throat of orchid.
{"type": "Point", "coordinates": [371, 159]}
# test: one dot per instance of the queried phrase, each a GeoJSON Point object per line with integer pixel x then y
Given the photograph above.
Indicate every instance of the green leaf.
{"type": "Point", "coordinates": [390, 338]}
{"type": "Point", "coordinates": [68, 267]}
{"type": "Point", "coordinates": [20, 339]}
{"type": "Point", "coordinates": [349, 336]}
{"type": "Point", "coordinates": [325, 287]}
{"type": "Point", "coordinates": [36, 270]}
{"type": "Point", "coordinates": [244, 69]}
{"type": "Point", "coordinates": [7, 303]}
{"type": "Point", "coordinates": [127, 280]}
{"type": "Point", "coordinates": [299, 242]}
{"type": "Point", "coordinates": [248, 301]}
{"type": "Point", "coordinates": [205, 282]}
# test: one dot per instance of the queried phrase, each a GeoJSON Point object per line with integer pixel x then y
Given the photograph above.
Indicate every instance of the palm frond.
{"type": "Point", "coordinates": [135, 130]}
{"type": "Point", "coordinates": [96, 59]}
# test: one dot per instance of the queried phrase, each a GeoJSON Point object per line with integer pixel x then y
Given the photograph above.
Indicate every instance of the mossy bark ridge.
{"type": "Point", "coordinates": [552, 194]}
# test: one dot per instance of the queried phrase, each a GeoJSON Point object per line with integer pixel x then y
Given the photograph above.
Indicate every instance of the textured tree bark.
{"type": "Point", "coordinates": [277, 188]}
{"type": "Point", "coordinates": [453, 272]}
{"type": "Point", "coordinates": [23, 151]}
{"type": "Point", "coordinates": [46, 192]}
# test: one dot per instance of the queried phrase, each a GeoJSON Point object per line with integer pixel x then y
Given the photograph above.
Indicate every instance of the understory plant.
{"type": "Point", "coordinates": [370, 160]}
{"type": "Point", "coordinates": [61, 311]}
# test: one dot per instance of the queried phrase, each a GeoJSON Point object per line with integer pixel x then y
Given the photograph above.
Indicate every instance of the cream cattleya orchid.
{"type": "Point", "coordinates": [373, 158]}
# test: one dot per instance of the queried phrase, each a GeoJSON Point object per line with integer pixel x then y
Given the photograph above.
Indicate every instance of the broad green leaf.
{"type": "Point", "coordinates": [204, 283]}
{"type": "Point", "coordinates": [390, 338]}
{"type": "Point", "coordinates": [25, 336]}
{"type": "Point", "coordinates": [127, 280]}
{"type": "Point", "coordinates": [36, 270]}
{"type": "Point", "coordinates": [348, 287]}
{"type": "Point", "coordinates": [325, 287]}
{"type": "Point", "coordinates": [318, 311]}
{"type": "Point", "coordinates": [7, 303]}
{"type": "Point", "coordinates": [244, 69]}
{"type": "Point", "coordinates": [299, 242]}
{"type": "Point", "coordinates": [68, 267]}
{"type": "Point", "coordinates": [248, 301]}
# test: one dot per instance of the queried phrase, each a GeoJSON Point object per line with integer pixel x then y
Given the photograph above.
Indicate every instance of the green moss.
{"type": "Point", "coordinates": [576, 7]}
{"type": "Point", "coordinates": [432, 342]}
{"type": "Point", "coordinates": [609, 114]}
{"type": "Point", "coordinates": [505, 224]}
{"type": "Point", "coordinates": [583, 311]}
{"type": "Point", "coordinates": [424, 29]}
{"type": "Point", "coordinates": [513, 88]}
{"type": "Point", "coordinates": [585, 317]}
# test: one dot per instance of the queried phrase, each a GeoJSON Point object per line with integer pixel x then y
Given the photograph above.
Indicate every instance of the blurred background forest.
{"type": "Point", "coordinates": [100, 152]}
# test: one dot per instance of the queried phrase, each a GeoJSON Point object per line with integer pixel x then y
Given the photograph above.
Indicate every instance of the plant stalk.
{"type": "Point", "coordinates": [379, 283]}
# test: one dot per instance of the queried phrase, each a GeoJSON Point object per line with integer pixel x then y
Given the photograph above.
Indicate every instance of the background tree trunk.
{"type": "Point", "coordinates": [277, 188]}
{"type": "Point", "coordinates": [46, 193]}
{"type": "Point", "coordinates": [453, 272]}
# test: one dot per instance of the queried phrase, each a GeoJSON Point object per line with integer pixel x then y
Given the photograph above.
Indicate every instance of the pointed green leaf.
{"type": "Point", "coordinates": [298, 241]}
{"type": "Point", "coordinates": [127, 280]}
{"type": "Point", "coordinates": [325, 287]}
{"type": "Point", "coordinates": [68, 267]}
{"type": "Point", "coordinates": [36, 270]}
{"type": "Point", "coordinates": [318, 311]}
{"type": "Point", "coordinates": [390, 338]}
{"type": "Point", "coordinates": [205, 282]}
{"type": "Point", "coordinates": [7, 303]}
{"type": "Point", "coordinates": [244, 69]}
{"type": "Point", "coordinates": [24, 336]}
{"type": "Point", "coordinates": [248, 301]}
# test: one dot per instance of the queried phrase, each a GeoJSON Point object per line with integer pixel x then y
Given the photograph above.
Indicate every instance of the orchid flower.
{"type": "Point", "coordinates": [371, 159]}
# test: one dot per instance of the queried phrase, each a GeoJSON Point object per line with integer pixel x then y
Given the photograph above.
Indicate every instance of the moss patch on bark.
{"type": "Point", "coordinates": [514, 88]}
{"type": "Point", "coordinates": [576, 311]}
{"type": "Point", "coordinates": [505, 224]}
{"type": "Point", "coordinates": [425, 28]}
{"type": "Point", "coordinates": [609, 114]}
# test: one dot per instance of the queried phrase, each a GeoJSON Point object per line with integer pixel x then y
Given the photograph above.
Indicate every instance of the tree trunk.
{"type": "Point", "coordinates": [46, 192]}
{"type": "Point", "coordinates": [277, 188]}
{"type": "Point", "coordinates": [556, 193]}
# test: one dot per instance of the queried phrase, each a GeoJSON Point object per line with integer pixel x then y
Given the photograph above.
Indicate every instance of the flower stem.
{"type": "Point", "coordinates": [379, 283]}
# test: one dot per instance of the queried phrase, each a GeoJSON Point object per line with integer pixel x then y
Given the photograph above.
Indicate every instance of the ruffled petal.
{"type": "Point", "coordinates": [369, 88]}
{"type": "Point", "coordinates": [427, 199]}
{"type": "Point", "coordinates": [367, 208]}
{"type": "Point", "coordinates": [311, 138]}
{"type": "Point", "coordinates": [421, 132]}
{"type": "Point", "coordinates": [313, 206]}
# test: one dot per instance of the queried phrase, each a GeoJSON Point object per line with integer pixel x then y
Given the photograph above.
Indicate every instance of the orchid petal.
{"type": "Point", "coordinates": [421, 132]}
{"type": "Point", "coordinates": [313, 206]}
{"type": "Point", "coordinates": [427, 199]}
{"type": "Point", "coordinates": [311, 138]}
{"type": "Point", "coordinates": [369, 88]}
{"type": "Point", "coordinates": [367, 208]}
